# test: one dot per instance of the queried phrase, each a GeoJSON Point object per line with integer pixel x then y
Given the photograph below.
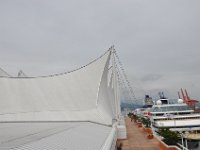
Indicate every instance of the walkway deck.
{"type": "Point", "coordinates": [137, 138]}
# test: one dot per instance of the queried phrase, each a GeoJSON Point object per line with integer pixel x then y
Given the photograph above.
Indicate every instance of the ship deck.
{"type": "Point", "coordinates": [137, 138]}
{"type": "Point", "coordinates": [194, 136]}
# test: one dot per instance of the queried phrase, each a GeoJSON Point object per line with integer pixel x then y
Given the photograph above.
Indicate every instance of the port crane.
{"type": "Point", "coordinates": [186, 99]}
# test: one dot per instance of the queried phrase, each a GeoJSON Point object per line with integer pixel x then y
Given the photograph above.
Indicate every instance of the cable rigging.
{"type": "Point", "coordinates": [123, 79]}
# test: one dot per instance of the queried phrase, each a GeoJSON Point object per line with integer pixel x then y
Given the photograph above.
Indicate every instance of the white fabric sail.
{"type": "Point", "coordinates": [81, 95]}
{"type": "Point", "coordinates": [3, 73]}
{"type": "Point", "coordinates": [21, 74]}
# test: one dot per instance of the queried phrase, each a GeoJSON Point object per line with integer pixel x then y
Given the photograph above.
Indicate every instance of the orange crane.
{"type": "Point", "coordinates": [186, 98]}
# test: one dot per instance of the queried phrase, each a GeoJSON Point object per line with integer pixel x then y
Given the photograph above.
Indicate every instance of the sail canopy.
{"type": "Point", "coordinates": [86, 94]}
{"type": "Point", "coordinates": [3, 73]}
{"type": "Point", "coordinates": [21, 74]}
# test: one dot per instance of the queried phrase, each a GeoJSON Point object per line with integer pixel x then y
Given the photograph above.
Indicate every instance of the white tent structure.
{"type": "Point", "coordinates": [3, 73]}
{"type": "Point", "coordinates": [21, 74]}
{"type": "Point", "coordinates": [38, 112]}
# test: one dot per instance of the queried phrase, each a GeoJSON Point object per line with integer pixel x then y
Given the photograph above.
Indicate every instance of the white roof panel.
{"type": "Point", "coordinates": [53, 136]}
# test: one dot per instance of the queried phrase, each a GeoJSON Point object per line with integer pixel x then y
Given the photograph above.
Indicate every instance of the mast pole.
{"type": "Point", "coordinates": [115, 83]}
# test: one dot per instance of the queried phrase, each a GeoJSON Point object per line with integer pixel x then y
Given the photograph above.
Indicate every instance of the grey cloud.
{"type": "Point", "coordinates": [152, 38]}
{"type": "Point", "coordinates": [151, 77]}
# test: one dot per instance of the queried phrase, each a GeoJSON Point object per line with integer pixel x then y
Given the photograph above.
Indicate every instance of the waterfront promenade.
{"type": "Point", "coordinates": [137, 138]}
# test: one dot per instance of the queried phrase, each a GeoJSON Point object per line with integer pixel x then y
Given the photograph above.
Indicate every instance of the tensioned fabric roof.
{"type": "Point", "coordinates": [68, 111]}
{"type": "Point", "coordinates": [21, 74]}
{"type": "Point", "coordinates": [54, 136]}
{"type": "Point", "coordinates": [86, 94]}
{"type": "Point", "coordinates": [3, 73]}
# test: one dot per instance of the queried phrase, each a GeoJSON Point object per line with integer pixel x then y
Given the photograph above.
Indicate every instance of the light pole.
{"type": "Point", "coordinates": [182, 139]}
{"type": "Point", "coordinates": [186, 136]}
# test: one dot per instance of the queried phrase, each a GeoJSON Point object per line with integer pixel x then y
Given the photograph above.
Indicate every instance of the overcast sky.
{"type": "Point", "coordinates": [157, 41]}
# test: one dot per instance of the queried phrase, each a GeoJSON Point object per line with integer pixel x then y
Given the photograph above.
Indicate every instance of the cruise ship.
{"type": "Point", "coordinates": [177, 116]}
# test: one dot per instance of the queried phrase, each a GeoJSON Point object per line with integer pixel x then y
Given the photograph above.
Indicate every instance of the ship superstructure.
{"type": "Point", "coordinates": [178, 117]}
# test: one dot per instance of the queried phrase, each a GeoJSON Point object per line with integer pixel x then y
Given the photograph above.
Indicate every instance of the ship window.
{"type": "Point", "coordinates": [171, 108]}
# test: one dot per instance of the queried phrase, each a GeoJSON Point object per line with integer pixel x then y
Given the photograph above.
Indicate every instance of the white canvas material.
{"type": "Point", "coordinates": [55, 136]}
{"type": "Point", "coordinates": [86, 94]}
{"type": "Point", "coordinates": [3, 73]}
{"type": "Point", "coordinates": [21, 74]}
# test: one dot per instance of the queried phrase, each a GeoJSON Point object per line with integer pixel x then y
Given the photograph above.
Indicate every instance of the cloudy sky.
{"type": "Point", "coordinates": [157, 41]}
